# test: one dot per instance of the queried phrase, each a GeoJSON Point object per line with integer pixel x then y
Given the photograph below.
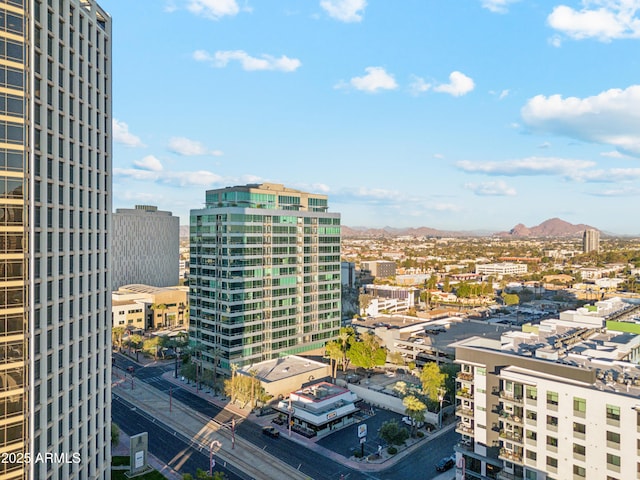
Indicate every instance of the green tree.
{"type": "Point", "coordinates": [115, 434]}
{"type": "Point", "coordinates": [392, 433]}
{"type": "Point", "coordinates": [415, 409]}
{"type": "Point", "coordinates": [116, 336]}
{"type": "Point", "coordinates": [367, 353]}
{"type": "Point", "coordinates": [396, 358]}
{"type": "Point", "coordinates": [432, 380]}
{"type": "Point", "coordinates": [345, 339]}
{"type": "Point", "coordinates": [161, 307]}
{"type": "Point", "coordinates": [510, 299]}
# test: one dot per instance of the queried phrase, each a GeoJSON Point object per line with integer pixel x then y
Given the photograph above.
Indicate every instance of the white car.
{"type": "Point", "coordinates": [412, 423]}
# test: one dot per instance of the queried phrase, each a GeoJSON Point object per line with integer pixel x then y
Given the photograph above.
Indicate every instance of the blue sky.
{"type": "Point", "coordinates": [463, 115]}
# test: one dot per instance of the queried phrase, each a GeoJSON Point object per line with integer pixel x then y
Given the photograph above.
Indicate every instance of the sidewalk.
{"type": "Point", "coordinates": [122, 449]}
{"type": "Point", "coordinates": [203, 431]}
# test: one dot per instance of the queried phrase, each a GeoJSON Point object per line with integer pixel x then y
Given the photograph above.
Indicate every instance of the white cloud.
{"type": "Point", "coordinates": [604, 20]}
{"type": "Point", "coordinates": [497, 6]}
{"type": "Point", "coordinates": [344, 10]}
{"type": "Point", "coordinates": [122, 135]}
{"type": "Point", "coordinates": [264, 62]}
{"type": "Point", "coordinates": [617, 192]}
{"type": "Point", "coordinates": [612, 154]}
{"type": "Point", "coordinates": [187, 147]}
{"type": "Point", "coordinates": [612, 175]}
{"type": "Point", "coordinates": [498, 188]}
{"type": "Point", "coordinates": [459, 84]}
{"type": "Point", "coordinates": [150, 163]}
{"type": "Point", "coordinates": [439, 156]}
{"type": "Point", "coordinates": [527, 166]}
{"type": "Point", "coordinates": [418, 85]}
{"type": "Point", "coordinates": [611, 117]}
{"type": "Point", "coordinates": [503, 94]}
{"type": "Point", "coordinates": [375, 80]}
{"type": "Point", "coordinates": [213, 9]}
{"type": "Point", "coordinates": [172, 178]}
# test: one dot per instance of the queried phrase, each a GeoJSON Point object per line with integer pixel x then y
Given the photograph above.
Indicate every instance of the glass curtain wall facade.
{"type": "Point", "coordinates": [265, 274]}
{"type": "Point", "coordinates": [55, 163]}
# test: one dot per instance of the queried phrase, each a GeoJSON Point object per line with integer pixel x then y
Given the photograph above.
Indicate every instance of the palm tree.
{"type": "Point", "coordinates": [333, 350]}
{"type": "Point", "coordinates": [181, 309]}
{"type": "Point", "coordinates": [254, 373]}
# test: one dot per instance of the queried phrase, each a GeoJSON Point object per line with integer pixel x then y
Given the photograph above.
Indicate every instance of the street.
{"type": "Point", "coordinates": [419, 464]}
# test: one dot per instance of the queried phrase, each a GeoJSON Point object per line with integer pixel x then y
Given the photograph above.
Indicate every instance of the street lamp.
{"type": "Point", "coordinates": [290, 409]}
{"type": "Point", "coordinates": [441, 392]}
{"type": "Point", "coordinates": [212, 462]}
{"type": "Point", "coordinates": [177, 352]}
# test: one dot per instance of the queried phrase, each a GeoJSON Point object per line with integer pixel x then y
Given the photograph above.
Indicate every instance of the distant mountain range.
{"type": "Point", "coordinates": [554, 227]}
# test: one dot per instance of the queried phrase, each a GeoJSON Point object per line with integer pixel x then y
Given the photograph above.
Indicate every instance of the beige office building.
{"type": "Point", "coordinates": [55, 191]}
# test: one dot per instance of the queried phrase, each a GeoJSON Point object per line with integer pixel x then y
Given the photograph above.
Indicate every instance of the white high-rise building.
{"type": "Point", "coordinates": [559, 400]}
{"type": "Point", "coordinates": [55, 191]}
{"type": "Point", "coordinates": [591, 241]}
{"type": "Point", "coordinates": [264, 274]}
{"type": "Point", "coordinates": [145, 247]}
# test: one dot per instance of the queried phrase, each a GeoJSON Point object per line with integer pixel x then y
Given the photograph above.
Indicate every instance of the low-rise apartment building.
{"type": "Point", "coordinates": [560, 400]}
{"type": "Point", "coordinates": [504, 268]}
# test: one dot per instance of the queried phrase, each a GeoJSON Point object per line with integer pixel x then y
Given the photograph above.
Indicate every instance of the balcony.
{"type": "Point", "coordinates": [464, 393]}
{"type": "Point", "coordinates": [464, 412]}
{"type": "Point", "coordinates": [510, 397]}
{"type": "Point", "coordinates": [511, 417]}
{"type": "Point", "coordinates": [510, 435]}
{"type": "Point", "coordinates": [508, 476]}
{"type": "Point", "coordinates": [510, 456]}
{"type": "Point", "coordinates": [464, 377]}
{"type": "Point", "coordinates": [464, 429]}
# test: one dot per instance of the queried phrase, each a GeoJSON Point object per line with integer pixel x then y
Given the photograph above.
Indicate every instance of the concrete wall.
{"type": "Point", "coordinates": [388, 402]}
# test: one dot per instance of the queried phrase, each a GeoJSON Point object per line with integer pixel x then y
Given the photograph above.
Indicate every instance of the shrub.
{"type": "Point", "coordinates": [392, 433]}
{"type": "Point", "coordinates": [420, 434]}
{"type": "Point", "coordinates": [392, 450]}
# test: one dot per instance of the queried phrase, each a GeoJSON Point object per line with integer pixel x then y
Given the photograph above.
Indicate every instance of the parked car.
{"type": "Point", "coordinates": [446, 463]}
{"type": "Point", "coordinates": [412, 423]}
{"type": "Point", "coordinates": [271, 431]}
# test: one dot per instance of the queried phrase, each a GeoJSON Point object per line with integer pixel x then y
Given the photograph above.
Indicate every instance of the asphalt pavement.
{"type": "Point", "coordinates": [326, 459]}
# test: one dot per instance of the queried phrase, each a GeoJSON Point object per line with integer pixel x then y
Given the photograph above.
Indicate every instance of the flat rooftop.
{"type": "Point", "coordinates": [281, 368]}
{"type": "Point", "coordinates": [321, 391]}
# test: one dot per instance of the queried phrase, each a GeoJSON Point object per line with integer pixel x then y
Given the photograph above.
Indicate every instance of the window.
{"type": "Point", "coordinates": [552, 421]}
{"type": "Point", "coordinates": [552, 399]}
{"type": "Point", "coordinates": [552, 462]}
{"type": "Point", "coordinates": [579, 406]}
{"type": "Point", "coordinates": [579, 449]}
{"type": "Point", "coordinates": [613, 413]}
{"type": "Point", "coordinates": [613, 459]}
{"type": "Point", "coordinates": [532, 455]}
{"type": "Point", "coordinates": [579, 428]}
{"type": "Point", "coordinates": [613, 439]}
{"type": "Point", "coordinates": [552, 441]}
{"type": "Point", "coordinates": [579, 471]}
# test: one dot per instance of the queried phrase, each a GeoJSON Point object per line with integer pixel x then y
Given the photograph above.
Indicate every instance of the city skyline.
{"type": "Point", "coordinates": [453, 116]}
